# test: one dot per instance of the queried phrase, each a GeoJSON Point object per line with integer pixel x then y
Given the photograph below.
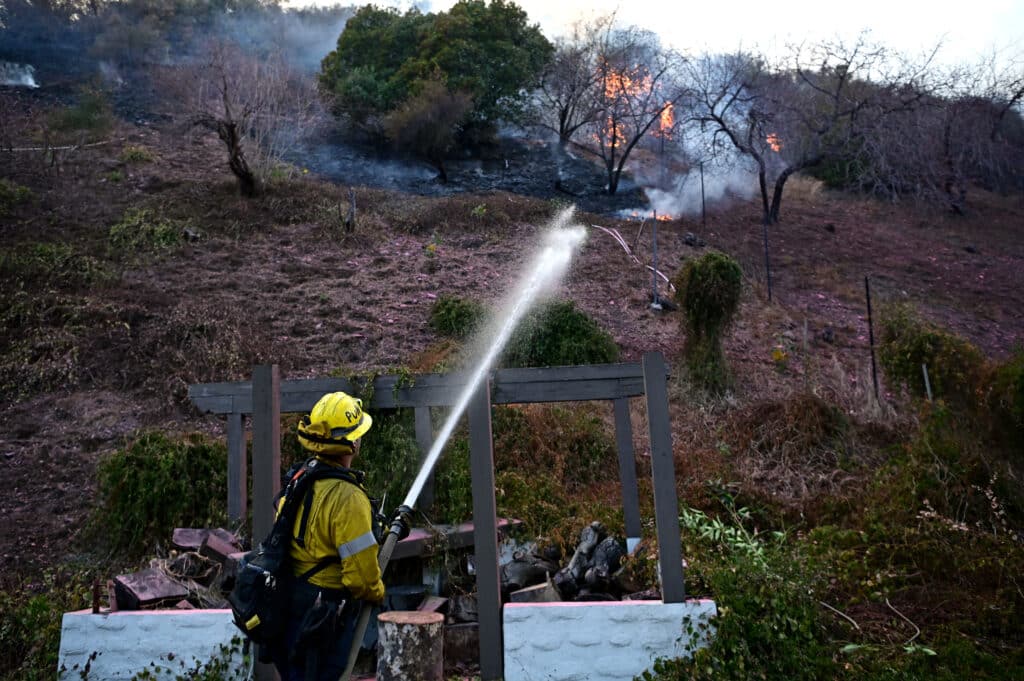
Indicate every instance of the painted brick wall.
{"type": "Point", "coordinates": [606, 641]}
{"type": "Point", "coordinates": [130, 642]}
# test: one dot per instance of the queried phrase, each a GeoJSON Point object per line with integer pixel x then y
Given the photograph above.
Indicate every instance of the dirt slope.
{"type": "Point", "coordinates": [275, 280]}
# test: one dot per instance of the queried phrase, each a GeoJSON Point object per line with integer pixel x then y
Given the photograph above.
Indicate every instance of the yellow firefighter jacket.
{"type": "Point", "coordinates": [339, 523]}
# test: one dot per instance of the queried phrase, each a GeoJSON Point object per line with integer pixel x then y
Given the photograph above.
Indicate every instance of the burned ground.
{"type": "Point", "coordinates": [277, 279]}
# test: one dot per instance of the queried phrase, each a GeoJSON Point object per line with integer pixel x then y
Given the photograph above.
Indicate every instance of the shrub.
{"type": "Point", "coordinates": [30, 619]}
{"type": "Point", "coordinates": [136, 154]}
{"type": "Point", "coordinates": [54, 264]}
{"type": "Point", "coordinates": [12, 194]}
{"type": "Point", "coordinates": [91, 115]}
{"type": "Point", "coordinates": [708, 292]}
{"type": "Point", "coordinates": [155, 484]}
{"type": "Point", "coordinates": [558, 334]}
{"type": "Point", "coordinates": [1007, 396]}
{"type": "Point", "coordinates": [139, 231]}
{"type": "Point", "coordinates": [390, 456]}
{"type": "Point", "coordinates": [456, 317]}
{"type": "Point", "coordinates": [955, 367]}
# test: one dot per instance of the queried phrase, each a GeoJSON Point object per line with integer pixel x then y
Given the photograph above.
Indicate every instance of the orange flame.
{"type": "Point", "coordinates": [667, 121]}
{"type": "Point", "coordinates": [774, 142]}
{"type": "Point", "coordinates": [616, 85]}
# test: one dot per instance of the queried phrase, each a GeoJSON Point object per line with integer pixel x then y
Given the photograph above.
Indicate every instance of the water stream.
{"type": "Point", "coordinates": [543, 273]}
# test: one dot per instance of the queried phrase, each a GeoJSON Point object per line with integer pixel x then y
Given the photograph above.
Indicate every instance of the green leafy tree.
{"type": "Point", "coordinates": [485, 50]}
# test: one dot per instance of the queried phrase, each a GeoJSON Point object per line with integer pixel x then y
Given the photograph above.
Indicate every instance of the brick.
{"type": "Point", "coordinates": [149, 588]}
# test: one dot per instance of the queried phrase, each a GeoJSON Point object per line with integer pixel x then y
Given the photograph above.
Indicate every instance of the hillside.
{"type": "Point", "coordinates": [101, 338]}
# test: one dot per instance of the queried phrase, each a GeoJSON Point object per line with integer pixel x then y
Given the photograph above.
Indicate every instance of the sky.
{"type": "Point", "coordinates": [968, 30]}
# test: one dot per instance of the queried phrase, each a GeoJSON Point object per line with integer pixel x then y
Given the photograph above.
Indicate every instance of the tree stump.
{"type": "Point", "coordinates": [410, 646]}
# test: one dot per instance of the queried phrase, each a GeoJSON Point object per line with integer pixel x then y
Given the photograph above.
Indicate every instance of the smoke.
{"type": "Point", "coordinates": [17, 75]}
{"type": "Point", "coordinates": [720, 183]}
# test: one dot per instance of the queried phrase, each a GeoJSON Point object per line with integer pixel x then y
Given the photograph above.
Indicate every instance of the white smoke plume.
{"type": "Point", "coordinates": [17, 75]}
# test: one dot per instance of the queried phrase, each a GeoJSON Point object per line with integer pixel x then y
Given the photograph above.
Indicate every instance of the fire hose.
{"type": "Point", "coordinates": [399, 523]}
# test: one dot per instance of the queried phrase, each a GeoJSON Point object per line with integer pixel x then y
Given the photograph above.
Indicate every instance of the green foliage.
{"type": "Point", "coordinates": [486, 50]}
{"type": "Point", "coordinates": [155, 484]}
{"type": "Point", "coordinates": [90, 117]}
{"type": "Point", "coordinates": [955, 367]}
{"type": "Point", "coordinates": [12, 194]}
{"type": "Point", "coordinates": [1007, 396]}
{"type": "Point", "coordinates": [558, 334]}
{"type": "Point", "coordinates": [769, 625]}
{"type": "Point", "coordinates": [456, 317]}
{"type": "Point", "coordinates": [30, 619]}
{"type": "Point", "coordinates": [453, 484]}
{"type": "Point", "coordinates": [390, 456]}
{"type": "Point", "coordinates": [708, 292]}
{"type": "Point", "coordinates": [140, 231]}
{"type": "Point", "coordinates": [52, 264]}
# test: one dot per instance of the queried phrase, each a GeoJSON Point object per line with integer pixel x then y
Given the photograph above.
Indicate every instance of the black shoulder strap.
{"type": "Point", "coordinates": [301, 486]}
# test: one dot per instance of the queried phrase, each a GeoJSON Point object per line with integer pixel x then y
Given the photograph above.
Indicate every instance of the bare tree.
{"type": "Point", "coordinates": [258, 107]}
{"type": "Point", "coordinates": [567, 98]}
{"type": "Point", "coordinates": [635, 87]}
{"type": "Point", "coordinates": [814, 111]}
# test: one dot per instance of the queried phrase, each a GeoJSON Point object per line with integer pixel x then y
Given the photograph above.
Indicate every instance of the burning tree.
{"type": "Point", "coordinates": [635, 94]}
{"type": "Point", "coordinates": [257, 106]}
{"type": "Point", "coordinates": [784, 120]}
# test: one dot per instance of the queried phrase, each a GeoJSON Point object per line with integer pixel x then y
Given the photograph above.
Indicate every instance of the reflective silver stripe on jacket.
{"type": "Point", "coordinates": [360, 543]}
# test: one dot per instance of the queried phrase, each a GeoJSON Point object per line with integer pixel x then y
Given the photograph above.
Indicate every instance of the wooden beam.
{"type": "Point", "coordinates": [509, 386]}
{"type": "Point", "coordinates": [666, 504]}
{"type": "Point", "coordinates": [266, 447]}
{"type": "Point", "coordinates": [627, 472]}
{"type": "Point", "coordinates": [485, 534]}
{"type": "Point", "coordinates": [424, 439]}
{"type": "Point", "coordinates": [238, 468]}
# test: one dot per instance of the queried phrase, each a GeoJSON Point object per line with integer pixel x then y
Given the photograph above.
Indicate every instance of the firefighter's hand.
{"type": "Point", "coordinates": [402, 522]}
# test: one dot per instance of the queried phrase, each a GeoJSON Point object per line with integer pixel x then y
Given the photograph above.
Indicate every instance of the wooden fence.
{"type": "Point", "coordinates": [266, 397]}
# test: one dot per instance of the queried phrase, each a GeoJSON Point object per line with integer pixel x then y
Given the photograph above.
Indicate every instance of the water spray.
{"type": "Point", "coordinates": [541, 276]}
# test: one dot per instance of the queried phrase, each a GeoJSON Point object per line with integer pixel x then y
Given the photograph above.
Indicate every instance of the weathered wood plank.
{"type": "Point", "coordinates": [551, 384]}
{"type": "Point", "coordinates": [627, 471]}
{"type": "Point", "coordinates": [238, 468]}
{"type": "Point", "coordinates": [266, 451]}
{"type": "Point", "coordinates": [424, 439]}
{"type": "Point", "coordinates": [485, 535]}
{"type": "Point", "coordinates": [666, 504]}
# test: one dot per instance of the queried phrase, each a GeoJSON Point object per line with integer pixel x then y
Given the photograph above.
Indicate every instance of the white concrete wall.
{"type": "Point", "coordinates": [132, 641]}
{"type": "Point", "coordinates": [600, 641]}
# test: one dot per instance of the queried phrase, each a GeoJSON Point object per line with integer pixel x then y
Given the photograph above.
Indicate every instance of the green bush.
{"type": "Point", "coordinates": [139, 231]}
{"type": "Point", "coordinates": [136, 154]}
{"type": "Point", "coordinates": [558, 334]}
{"type": "Point", "coordinates": [53, 264]}
{"type": "Point", "coordinates": [155, 484]}
{"type": "Point", "coordinates": [1007, 396]}
{"type": "Point", "coordinates": [91, 115]}
{"type": "Point", "coordinates": [708, 293]}
{"type": "Point", "coordinates": [955, 367]}
{"type": "Point", "coordinates": [390, 456]}
{"type": "Point", "coordinates": [456, 317]}
{"type": "Point", "coordinates": [30, 619]}
{"type": "Point", "coordinates": [11, 194]}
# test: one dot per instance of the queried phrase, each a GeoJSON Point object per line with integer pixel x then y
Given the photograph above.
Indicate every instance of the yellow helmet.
{"type": "Point", "coordinates": [335, 422]}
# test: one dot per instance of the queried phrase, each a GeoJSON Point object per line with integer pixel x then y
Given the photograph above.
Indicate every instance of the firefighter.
{"type": "Point", "coordinates": [333, 550]}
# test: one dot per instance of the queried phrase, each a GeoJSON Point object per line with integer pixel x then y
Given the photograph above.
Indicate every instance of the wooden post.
{"type": "Point", "coordinates": [266, 447]}
{"type": "Point", "coordinates": [666, 505]}
{"type": "Point", "coordinates": [871, 337]}
{"type": "Point", "coordinates": [627, 473]}
{"type": "Point", "coordinates": [485, 534]}
{"type": "Point", "coordinates": [238, 468]}
{"type": "Point", "coordinates": [410, 646]}
{"type": "Point", "coordinates": [424, 438]}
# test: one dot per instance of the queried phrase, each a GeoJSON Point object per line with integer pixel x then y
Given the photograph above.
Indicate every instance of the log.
{"type": "Point", "coordinates": [410, 646]}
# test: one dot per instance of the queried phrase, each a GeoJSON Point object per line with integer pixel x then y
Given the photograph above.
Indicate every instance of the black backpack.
{"type": "Point", "coordinates": [259, 598]}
